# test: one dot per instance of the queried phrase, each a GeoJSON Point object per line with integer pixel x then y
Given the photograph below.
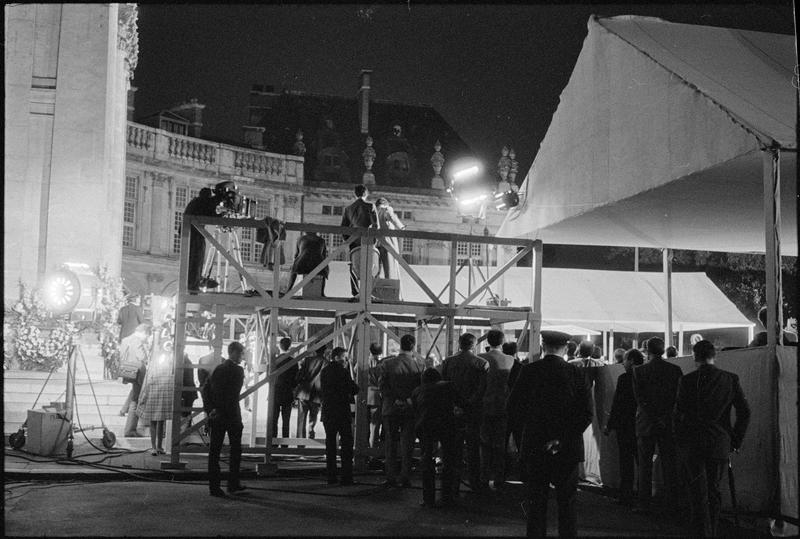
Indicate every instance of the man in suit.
{"type": "Point", "coordinates": [705, 436]}
{"type": "Point", "coordinates": [494, 419]}
{"type": "Point", "coordinates": [311, 251]}
{"type": "Point", "coordinates": [585, 358]}
{"type": "Point", "coordinates": [284, 392]}
{"type": "Point", "coordinates": [338, 389]}
{"type": "Point", "coordinates": [221, 404]}
{"type": "Point", "coordinates": [400, 376]}
{"type": "Point", "coordinates": [204, 204]}
{"type": "Point", "coordinates": [549, 408]}
{"type": "Point", "coordinates": [359, 214]}
{"type": "Point", "coordinates": [309, 392]}
{"type": "Point", "coordinates": [654, 385]}
{"type": "Point", "coordinates": [467, 371]}
{"type": "Point", "coordinates": [130, 316]}
{"type": "Point", "coordinates": [622, 420]}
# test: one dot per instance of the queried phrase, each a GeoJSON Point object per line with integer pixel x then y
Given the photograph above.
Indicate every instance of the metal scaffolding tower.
{"type": "Point", "coordinates": [351, 322]}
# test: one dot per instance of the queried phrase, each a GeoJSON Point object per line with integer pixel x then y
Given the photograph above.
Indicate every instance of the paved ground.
{"type": "Point", "coordinates": [135, 498]}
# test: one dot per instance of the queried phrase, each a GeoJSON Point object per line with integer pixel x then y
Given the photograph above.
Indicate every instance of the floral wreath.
{"type": "Point", "coordinates": [34, 351]}
{"type": "Point", "coordinates": [29, 315]}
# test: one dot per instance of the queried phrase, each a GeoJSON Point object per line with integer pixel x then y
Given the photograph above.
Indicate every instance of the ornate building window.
{"type": "Point", "coordinates": [407, 249]}
{"type": "Point", "coordinates": [466, 250]}
{"type": "Point", "coordinates": [129, 211]}
{"type": "Point", "coordinates": [180, 205]}
{"type": "Point", "coordinates": [332, 210]}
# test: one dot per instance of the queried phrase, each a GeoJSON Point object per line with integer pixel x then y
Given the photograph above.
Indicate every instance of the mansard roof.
{"type": "Point", "coordinates": [286, 112]}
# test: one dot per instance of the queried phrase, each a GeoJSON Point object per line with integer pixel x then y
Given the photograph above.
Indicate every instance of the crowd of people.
{"type": "Point", "coordinates": [468, 409]}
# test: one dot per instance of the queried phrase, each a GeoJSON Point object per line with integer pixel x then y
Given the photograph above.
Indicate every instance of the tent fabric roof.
{"type": "Point", "coordinates": [747, 74]}
{"type": "Point", "coordinates": [656, 141]}
{"type": "Point", "coordinates": [590, 299]}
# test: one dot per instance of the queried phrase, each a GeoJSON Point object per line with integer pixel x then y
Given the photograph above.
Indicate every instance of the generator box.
{"type": "Point", "coordinates": [47, 433]}
{"type": "Point", "coordinates": [387, 289]}
{"type": "Point", "coordinates": [314, 288]}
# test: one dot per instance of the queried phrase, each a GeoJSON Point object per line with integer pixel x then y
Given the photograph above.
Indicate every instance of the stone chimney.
{"type": "Point", "coordinates": [131, 109]}
{"type": "Point", "coordinates": [261, 100]}
{"type": "Point", "coordinates": [192, 111]}
{"type": "Point", "coordinates": [363, 101]}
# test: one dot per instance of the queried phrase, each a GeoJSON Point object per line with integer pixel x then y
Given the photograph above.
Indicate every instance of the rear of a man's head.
{"type": "Point", "coordinates": [572, 347]}
{"type": "Point", "coordinates": [672, 352]}
{"type": "Point", "coordinates": [655, 346]}
{"type": "Point", "coordinates": [375, 349]}
{"type": "Point", "coordinates": [235, 350]}
{"type": "Point", "coordinates": [407, 343]}
{"type": "Point", "coordinates": [585, 349]}
{"type": "Point", "coordinates": [361, 190]}
{"type": "Point", "coordinates": [495, 338]}
{"type": "Point", "coordinates": [704, 351]}
{"type": "Point", "coordinates": [430, 376]}
{"type": "Point", "coordinates": [510, 348]}
{"type": "Point", "coordinates": [336, 355]}
{"type": "Point", "coordinates": [619, 355]}
{"type": "Point", "coordinates": [285, 343]}
{"type": "Point", "coordinates": [466, 341]}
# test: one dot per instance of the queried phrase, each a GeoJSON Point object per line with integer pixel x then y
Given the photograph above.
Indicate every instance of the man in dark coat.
{"type": "Point", "coordinates": [401, 375]}
{"type": "Point", "coordinates": [130, 316]}
{"type": "Point", "coordinates": [550, 407]}
{"type": "Point", "coordinates": [359, 214]}
{"type": "Point", "coordinates": [705, 436]}
{"type": "Point", "coordinates": [221, 404]}
{"type": "Point", "coordinates": [309, 393]}
{"type": "Point", "coordinates": [622, 420]}
{"type": "Point", "coordinates": [468, 373]}
{"type": "Point", "coordinates": [338, 389]}
{"type": "Point", "coordinates": [494, 418]}
{"type": "Point", "coordinates": [204, 204]}
{"type": "Point", "coordinates": [434, 403]}
{"type": "Point", "coordinates": [284, 391]}
{"type": "Point", "coordinates": [311, 251]}
{"type": "Point", "coordinates": [654, 385]}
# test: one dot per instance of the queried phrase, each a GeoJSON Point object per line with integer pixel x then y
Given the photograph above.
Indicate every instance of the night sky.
{"type": "Point", "coordinates": [494, 72]}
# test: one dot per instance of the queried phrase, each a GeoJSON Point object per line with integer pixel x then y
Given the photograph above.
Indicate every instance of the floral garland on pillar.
{"type": "Point", "coordinates": [109, 300]}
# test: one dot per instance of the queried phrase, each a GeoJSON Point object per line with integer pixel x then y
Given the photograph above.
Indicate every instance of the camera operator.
{"type": "Point", "coordinates": [205, 204]}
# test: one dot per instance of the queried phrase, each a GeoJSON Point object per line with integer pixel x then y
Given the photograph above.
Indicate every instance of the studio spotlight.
{"type": "Point", "coordinates": [465, 173]}
{"type": "Point", "coordinates": [62, 291]}
{"type": "Point", "coordinates": [504, 201]}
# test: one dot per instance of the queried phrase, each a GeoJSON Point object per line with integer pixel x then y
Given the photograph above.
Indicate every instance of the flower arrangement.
{"type": "Point", "coordinates": [32, 350]}
{"type": "Point", "coordinates": [109, 299]}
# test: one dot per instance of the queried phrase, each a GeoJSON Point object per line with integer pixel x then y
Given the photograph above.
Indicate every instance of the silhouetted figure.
{"type": "Point", "coordinates": [549, 408]}
{"type": "Point", "coordinates": [338, 389]}
{"type": "Point", "coordinates": [705, 436]}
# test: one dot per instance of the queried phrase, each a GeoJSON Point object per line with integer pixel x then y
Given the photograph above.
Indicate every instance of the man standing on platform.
{"type": "Point", "coordinates": [494, 419]}
{"type": "Point", "coordinates": [468, 374]}
{"type": "Point", "coordinates": [359, 214]}
{"type": "Point", "coordinates": [401, 375]}
{"type": "Point", "coordinates": [204, 204]}
{"type": "Point", "coordinates": [338, 389]}
{"type": "Point", "coordinates": [705, 436]}
{"type": "Point", "coordinates": [548, 409]}
{"type": "Point", "coordinates": [221, 404]}
{"type": "Point", "coordinates": [311, 251]}
{"type": "Point", "coordinates": [655, 384]}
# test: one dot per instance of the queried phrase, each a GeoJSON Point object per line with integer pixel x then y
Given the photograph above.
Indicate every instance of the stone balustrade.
{"type": "Point", "coordinates": [158, 144]}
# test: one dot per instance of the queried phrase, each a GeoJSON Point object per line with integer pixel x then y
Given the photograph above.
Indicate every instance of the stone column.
{"type": "Point", "coordinates": [161, 219]}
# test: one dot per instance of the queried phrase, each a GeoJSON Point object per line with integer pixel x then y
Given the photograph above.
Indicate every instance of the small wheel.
{"type": "Point", "coordinates": [109, 439]}
{"type": "Point", "coordinates": [17, 440]}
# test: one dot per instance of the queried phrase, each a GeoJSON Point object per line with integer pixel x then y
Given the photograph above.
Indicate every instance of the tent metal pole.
{"type": "Point", "coordinates": [667, 266]}
{"type": "Point", "coordinates": [536, 303]}
{"type": "Point", "coordinates": [774, 326]}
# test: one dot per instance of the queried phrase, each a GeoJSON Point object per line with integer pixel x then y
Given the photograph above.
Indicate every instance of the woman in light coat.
{"type": "Point", "coordinates": [388, 219]}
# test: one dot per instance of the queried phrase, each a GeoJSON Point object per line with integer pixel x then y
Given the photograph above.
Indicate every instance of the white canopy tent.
{"type": "Point", "coordinates": [587, 300]}
{"type": "Point", "coordinates": [679, 136]}
{"type": "Point", "coordinates": [657, 141]}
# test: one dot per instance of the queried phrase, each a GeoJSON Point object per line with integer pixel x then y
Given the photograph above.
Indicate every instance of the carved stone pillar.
{"type": "Point", "coordinates": [128, 37]}
{"type": "Point", "coordinates": [437, 161]}
{"type": "Point", "coordinates": [369, 159]}
{"type": "Point", "coordinates": [512, 173]}
{"type": "Point", "coordinates": [503, 168]}
{"type": "Point", "coordinates": [161, 221]}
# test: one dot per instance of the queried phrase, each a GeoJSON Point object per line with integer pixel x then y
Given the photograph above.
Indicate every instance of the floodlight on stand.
{"type": "Point", "coordinates": [61, 291]}
{"type": "Point", "coordinates": [467, 172]}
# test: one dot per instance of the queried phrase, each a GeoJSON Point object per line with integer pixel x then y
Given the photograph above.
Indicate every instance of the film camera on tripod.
{"type": "Point", "coordinates": [231, 204]}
